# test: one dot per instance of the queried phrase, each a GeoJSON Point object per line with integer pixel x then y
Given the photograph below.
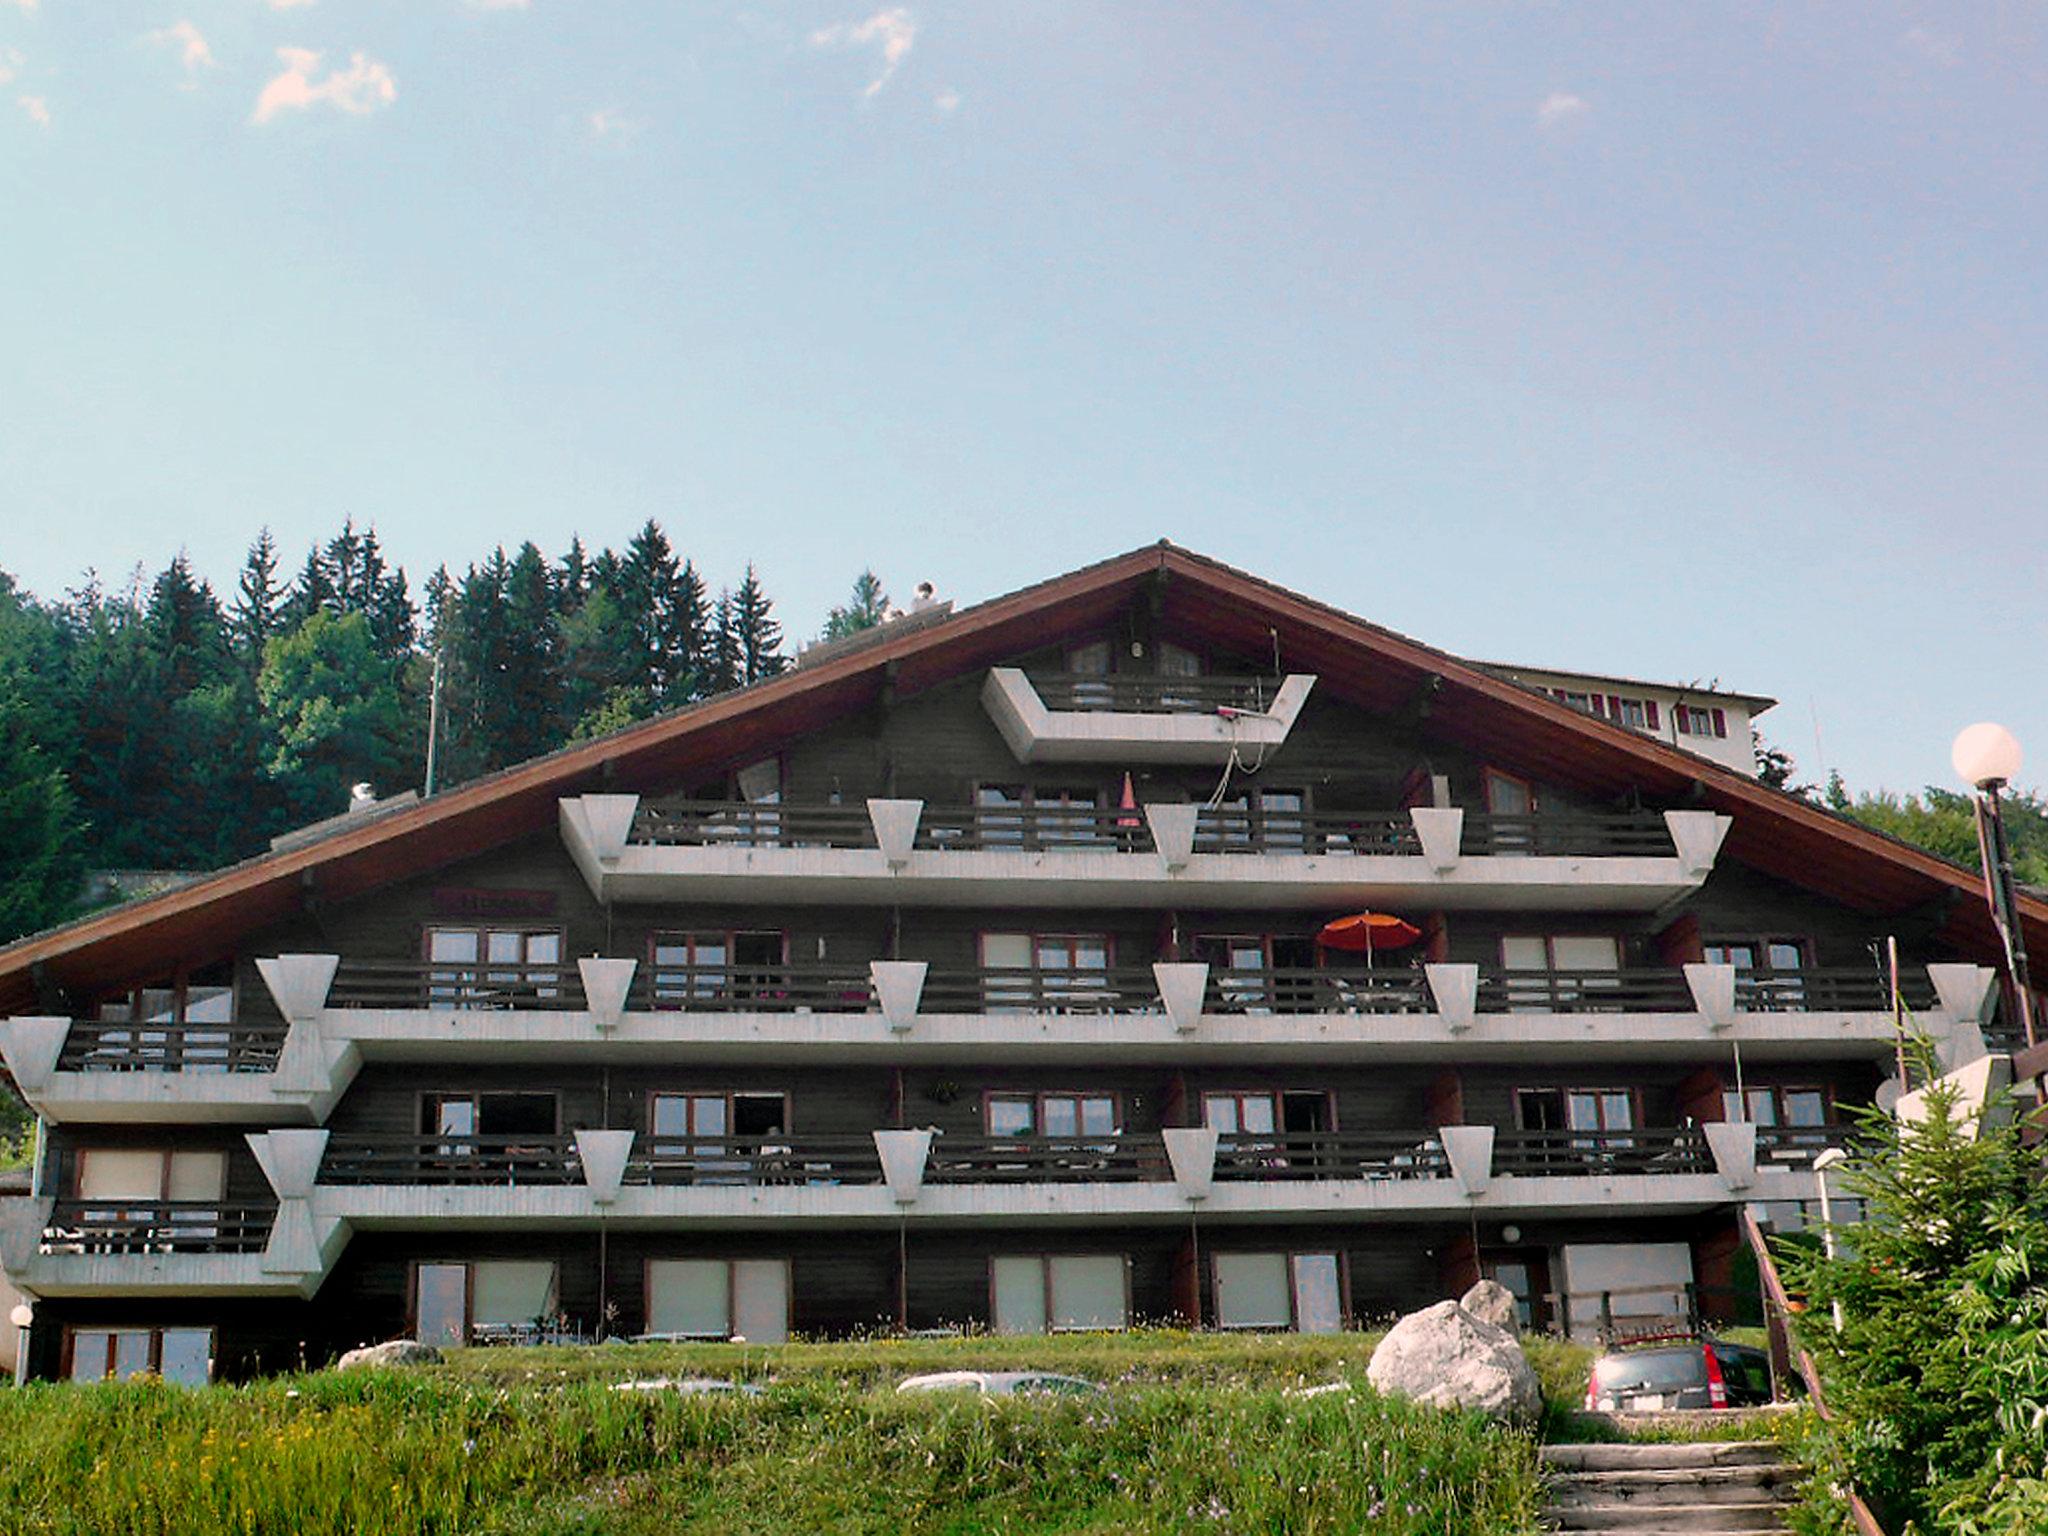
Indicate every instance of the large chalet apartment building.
{"type": "Point", "coordinates": [1149, 944]}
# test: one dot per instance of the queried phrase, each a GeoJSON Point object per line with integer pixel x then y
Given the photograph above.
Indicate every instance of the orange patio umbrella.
{"type": "Point", "coordinates": [1368, 931]}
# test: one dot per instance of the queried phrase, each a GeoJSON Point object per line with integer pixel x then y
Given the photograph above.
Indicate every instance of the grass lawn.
{"type": "Point", "coordinates": [1199, 1433]}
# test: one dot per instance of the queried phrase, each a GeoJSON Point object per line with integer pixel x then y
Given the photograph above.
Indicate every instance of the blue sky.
{"type": "Point", "coordinates": [1681, 341]}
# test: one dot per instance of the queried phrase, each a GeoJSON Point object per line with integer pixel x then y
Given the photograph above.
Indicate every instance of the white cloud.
{"type": "Point", "coordinates": [498, 5]}
{"type": "Point", "coordinates": [609, 125]}
{"type": "Point", "coordinates": [363, 87]}
{"type": "Point", "coordinates": [286, 5]}
{"type": "Point", "coordinates": [192, 50]}
{"type": "Point", "coordinates": [894, 31]}
{"type": "Point", "coordinates": [10, 65]}
{"type": "Point", "coordinates": [947, 102]}
{"type": "Point", "coordinates": [1561, 107]}
{"type": "Point", "coordinates": [22, 5]}
{"type": "Point", "coordinates": [1941, 48]}
{"type": "Point", "coordinates": [36, 107]}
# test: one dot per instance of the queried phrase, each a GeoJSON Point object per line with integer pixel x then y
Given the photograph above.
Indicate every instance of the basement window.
{"type": "Point", "coordinates": [718, 1299]}
{"type": "Point", "coordinates": [456, 1304]}
{"type": "Point", "coordinates": [183, 1356]}
{"type": "Point", "coordinates": [1299, 1291]}
{"type": "Point", "coordinates": [1060, 1293]}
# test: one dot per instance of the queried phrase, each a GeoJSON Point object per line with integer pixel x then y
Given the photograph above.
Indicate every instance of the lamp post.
{"type": "Point", "coordinates": [23, 1317]}
{"type": "Point", "coordinates": [1988, 758]}
{"type": "Point", "coordinates": [1831, 1157]}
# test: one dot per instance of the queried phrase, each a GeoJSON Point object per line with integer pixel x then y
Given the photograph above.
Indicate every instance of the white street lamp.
{"type": "Point", "coordinates": [1832, 1157]}
{"type": "Point", "coordinates": [22, 1315]}
{"type": "Point", "coordinates": [1988, 758]}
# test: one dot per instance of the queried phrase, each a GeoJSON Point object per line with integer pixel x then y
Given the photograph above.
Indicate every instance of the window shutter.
{"type": "Point", "coordinates": [691, 1297]}
{"type": "Point", "coordinates": [1720, 723]}
{"type": "Point", "coordinates": [1019, 1285]}
{"type": "Point", "coordinates": [1252, 1290]}
{"type": "Point", "coordinates": [1088, 1292]}
{"type": "Point", "coordinates": [1650, 709]}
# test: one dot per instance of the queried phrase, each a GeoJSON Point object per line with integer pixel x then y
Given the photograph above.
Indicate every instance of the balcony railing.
{"type": "Point", "coordinates": [1301, 990]}
{"type": "Point", "coordinates": [451, 1159]}
{"type": "Point", "coordinates": [1555, 1154]}
{"type": "Point", "coordinates": [1121, 1158]}
{"type": "Point", "coordinates": [1150, 694]}
{"type": "Point", "coordinates": [1264, 831]}
{"type": "Point", "coordinates": [1034, 829]}
{"type": "Point", "coordinates": [1035, 989]}
{"type": "Point", "coordinates": [97, 1046]}
{"type": "Point", "coordinates": [739, 824]}
{"type": "Point", "coordinates": [1569, 834]}
{"type": "Point", "coordinates": [754, 989]}
{"type": "Point", "coordinates": [1796, 1146]}
{"type": "Point", "coordinates": [1646, 990]}
{"type": "Point", "coordinates": [1331, 1155]}
{"type": "Point", "coordinates": [756, 1161]}
{"type": "Point", "coordinates": [1835, 989]}
{"type": "Point", "coordinates": [157, 1226]}
{"type": "Point", "coordinates": [440, 984]}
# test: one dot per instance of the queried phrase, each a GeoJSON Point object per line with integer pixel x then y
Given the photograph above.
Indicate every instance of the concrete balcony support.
{"type": "Point", "coordinates": [903, 1155]}
{"type": "Point", "coordinates": [1697, 835]}
{"type": "Point", "coordinates": [895, 823]}
{"type": "Point", "coordinates": [299, 984]}
{"type": "Point", "coordinates": [899, 988]}
{"type": "Point", "coordinates": [1733, 1143]}
{"type": "Point", "coordinates": [607, 985]}
{"type": "Point", "coordinates": [1441, 831]}
{"type": "Point", "coordinates": [1713, 992]}
{"type": "Point", "coordinates": [303, 1244]}
{"type": "Point", "coordinates": [1173, 833]}
{"type": "Point", "coordinates": [604, 1155]}
{"type": "Point", "coordinates": [31, 1048]}
{"type": "Point", "coordinates": [1183, 985]}
{"type": "Point", "coordinates": [1979, 1088]}
{"type": "Point", "coordinates": [1191, 1151]}
{"type": "Point", "coordinates": [1456, 991]}
{"type": "Point", "coordinates": [1469, 1149]}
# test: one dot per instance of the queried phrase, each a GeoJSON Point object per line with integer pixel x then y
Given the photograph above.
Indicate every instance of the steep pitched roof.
{"type": "Point", "coordinates": [1356, 660]}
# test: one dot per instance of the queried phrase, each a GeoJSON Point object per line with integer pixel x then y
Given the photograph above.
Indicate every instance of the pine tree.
{"type": "Point", "coordinates": [530, 682]}
{"type": "Point", "coordinates": [40, 837]}
{"type": "Point", "coordinates": [645, 592]}
{"type": "Point", "coordinates": [757, 637]}
{"type": "Point", "coordinates": [689, 640]}
{"type": "Point", "coordinates": [572, 578]}
{"type": "Point", "coordinates": [313, 592]}
{"type": "Point", "coordinates": [867, 607]}
{"type": "Point", "coordinates": [255, 617]}
{"type": "Point", "coordinates": [723, 649]}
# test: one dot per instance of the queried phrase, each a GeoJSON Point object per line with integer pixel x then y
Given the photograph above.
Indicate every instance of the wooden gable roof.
{"type": "Point", "coordinates": [1363, 663]}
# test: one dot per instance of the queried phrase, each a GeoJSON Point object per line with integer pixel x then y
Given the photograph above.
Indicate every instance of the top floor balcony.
{"type": "Point", "coordinates": [905, 852]}
{"type": "Point", "coordinates": [1094, 717]}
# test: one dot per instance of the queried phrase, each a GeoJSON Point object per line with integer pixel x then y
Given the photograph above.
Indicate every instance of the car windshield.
{"type": "Point", "coordinates": [1652, 1370]}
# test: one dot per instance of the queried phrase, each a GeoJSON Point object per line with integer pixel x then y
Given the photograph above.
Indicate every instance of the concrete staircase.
{"type": "Point", "coordinates": [1670, 1488]}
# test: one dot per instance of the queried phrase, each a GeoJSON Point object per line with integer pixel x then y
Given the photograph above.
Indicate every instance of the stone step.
{"type": "Point", "coordinates": [1681, 1486]}
{"type": "Point", "coordinates": [1595, 1456]}
{"type": "Point", "coordinates": [1703, 1520]}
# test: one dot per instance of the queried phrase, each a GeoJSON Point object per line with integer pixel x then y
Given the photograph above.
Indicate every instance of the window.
{"type": "Point", "coordinates": [1507, 795]}
{"type": "Point", "coordinates": [1599, 1111]}
{"type": "Point", "coordinates": [492, 967]}
{"type": "Point", "coordinates": [489, 1115]}
{"type": "Point", "coordinates": [180, 1355]}
{"type": "Point", "coordinates": [1585, 703]}
{"type": "Point", "coordinates": [1637, 714]}
{"type": "Point", "coordinates": [1768, 971]}
{"type": "Point", "coordinates": [1091, 660]}
{"type": "Point", "coordinates": [1053, 972]}
{"type": "Point", "coordinates": [676, 1118]}
{"type": "Point", "coordinates": [1035, 816]}
{"type": "Point", "coordinates": [1268, 820]}
{"type": "Point", "coordinates": [455, 1304]}
{"type": "Point", "coordinates": [1179, 661]}
{"type": "Point", "coordinates": [719, 1299]}
{"type": "Point", "coordinates": [166, 1016]}
{"type": "Point", "coordinates": [1691, 720]}
{"type": "Point", "coordinates": [1065, 1115]}
{"type": "Point", "coordinates": [1795, 1107]}
{"type": "Point", "coordinates": [1548, 973]}
{"type": "Point", "coordinates": [122, 1184]}
{"type": "Point", "coordinates": [1302, 1291]}
{"type": "Point", "coordinates": [1059, 1293]}
{"type": "Point", "coordinates": [717, 969]}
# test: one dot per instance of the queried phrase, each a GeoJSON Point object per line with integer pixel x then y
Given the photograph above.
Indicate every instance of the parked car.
{"type": "Point", "coordinates": [1000, 1383]}
{"type": "Point", "coordinates": [1687, 1371]}
{"type": "Point", "coordinates": [689, 1386]}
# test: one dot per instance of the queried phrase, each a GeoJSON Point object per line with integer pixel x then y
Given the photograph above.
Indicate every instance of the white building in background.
{"type": "Point", "coordinates": [1695, 717]}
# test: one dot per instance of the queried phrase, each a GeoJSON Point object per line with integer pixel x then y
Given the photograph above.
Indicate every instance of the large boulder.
{"type": "Point", "coordinates": [1447, 1358]}
{"type": "Point", "coordinates": [396, 1352]}
{"type": "Point", "coordinates": [1492, 1302]}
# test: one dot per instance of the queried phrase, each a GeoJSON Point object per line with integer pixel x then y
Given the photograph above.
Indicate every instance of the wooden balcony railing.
{"type": "Point", "coordinates": [158, 1226]}
{"type": "Point", "coordinates": [1123, 1158]}
{"type": "Point", "coordinates": [1831, 989]}
{"type": "Point", "coordinates": [449, 1159]}
{"type": "Point", "coordinates": [1262, 831]}
{"type": "Point", "coordinates": [1290, 990]}
{"type": "Point", "coordinates": [1644, 990]}
{"type": "Point", "coordinates": [820, 988]}
{"type": "Point", "coordinates": [96, 1046]}
{"type": "Point", "coordinates": [757, 1160]}
{"type": "Point", "coordinates": [1151, 694]}
{"type": "Point", "coordinates": [440, 984]}
{"type": "Point", "coordinates": [1555, 1154]}
{"type": "Point", "coordinates": [1796, 1146]}
{"type": "Point", "coordinates": [1610, 834]}
{"type": "Point", "coordinates": [1323, 1155]}
{"type": "Point", "coordinates": [1034, 829]}
{"type": "Point", "coordinates": [739, 824]}
{"type": "Point", "coordinates": [1035, 989]}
